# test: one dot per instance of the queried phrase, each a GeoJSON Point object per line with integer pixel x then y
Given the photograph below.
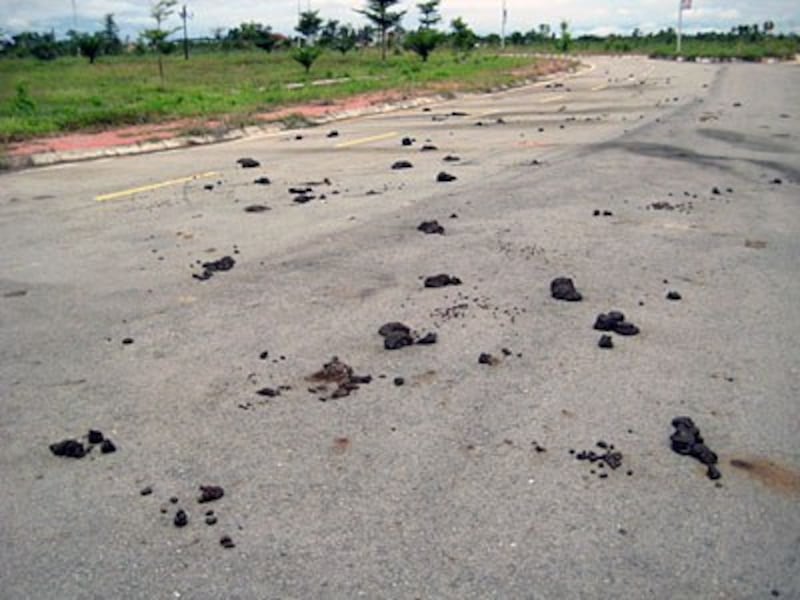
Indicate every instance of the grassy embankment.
{"type": "Point", "coordinates": [693, 47]}
{"type": "Point", "coordinates": [40, 98]}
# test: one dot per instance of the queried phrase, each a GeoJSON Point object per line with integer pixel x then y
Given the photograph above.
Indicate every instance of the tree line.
{"type": "Point", "coordinates": [313, 34]}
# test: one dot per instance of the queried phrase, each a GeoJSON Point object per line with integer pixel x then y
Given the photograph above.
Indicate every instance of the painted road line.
{"type": "Point", "coordinates": [154, 186]}
{"type": "Point", "coordinates": [553, 99]}
{"type": "Point", "coordinates": [367, 140]}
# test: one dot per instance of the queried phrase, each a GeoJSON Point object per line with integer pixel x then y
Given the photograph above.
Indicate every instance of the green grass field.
{"type": "Point", "coordinates": [68, 94]}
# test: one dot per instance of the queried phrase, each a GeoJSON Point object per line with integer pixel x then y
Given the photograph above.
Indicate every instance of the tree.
{"type": "Point", "coordinates": [345, 40]}
{"type": "Point", "coordinates": [309, 25]}
{"type": "Point", "coordinates": [111, 42]}
{"type": "Point", "coordinates": [565, 41]}
{"type": "Point", "coordinates": [327, 33]}
{"type": "Point", "coordinates": [422, 42]}
{"type": "Point", "coordinates": [156, 38]}
{"type": "Point", "coordinates": [544, 30]}
{"type": "Point", "coordinates": [365, 36]}
{"type": "Point", "coordinates": [265, 39]}
{"type": "Point", "coordinates": [429, 14]}
{"type": "Point", "coordinates": [463, 38]}
{"type": "Point", "coordinates": [378, 12]}
{"type": "Point", "coordinates": [306, 55]}
{"type": "Point", "coordinates": [90, 45]}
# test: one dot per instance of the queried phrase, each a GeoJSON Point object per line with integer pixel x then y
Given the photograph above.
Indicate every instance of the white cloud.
{"type": "Point", "coordinates": [482, 15]}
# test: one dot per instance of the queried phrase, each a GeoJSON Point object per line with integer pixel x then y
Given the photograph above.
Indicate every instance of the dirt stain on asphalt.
{"type": "Point", "coordinates": [774, 476]}
{"type": "Point", "coordinates": [341, 445]}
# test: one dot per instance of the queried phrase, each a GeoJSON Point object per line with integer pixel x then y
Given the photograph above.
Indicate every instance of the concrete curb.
{"type": "Point", "coordinates": [43, 159]}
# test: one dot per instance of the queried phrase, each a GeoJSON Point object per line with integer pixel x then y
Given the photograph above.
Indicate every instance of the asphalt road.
{"type": "Point", "coordinates": [432, 489]}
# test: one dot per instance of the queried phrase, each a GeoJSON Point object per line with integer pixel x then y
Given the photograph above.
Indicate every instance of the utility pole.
{"type": "Point", "coordinates": [682, 5]}
{"type": "Point", "coordinates": [184, 16]}
{"type": "Point", "coordinates": [503, 26]}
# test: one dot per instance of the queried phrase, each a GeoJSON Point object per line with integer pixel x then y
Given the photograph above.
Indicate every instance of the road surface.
{"type": "Point", "coordinates": [461, 483]}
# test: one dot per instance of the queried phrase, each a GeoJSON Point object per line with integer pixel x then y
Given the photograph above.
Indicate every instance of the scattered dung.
{"type": "Point", "coordinates": [451, 158]}
{"type": "Point", "coordinates": [687, 440]}
{"type": "Point", "coordinates": [609, 457]}
{"type": "Point", "coordinates": [395, 335]}
{"type": "Point", "coordinates": [397, 340]}
{"type": "Point", "coordinates": [487, 359]}
{"type": "Point", "coordinates": [398, 381]}
{"type": "Point", "coordinates": [437, 281]}
{"type": "Point", "coordinates": [605, 342]}
{"type": "Point", "coordinates": [303, 198]}
{"type": "Point", "coordinates": [181, 518]}
{"type": "Point", "coordinates": [606, 322]}
{"type": "Point", "coordinates": [443, 177]}
{"type": "Point", "coordinates": [431, 227]}
{"type": "Point", "coordinates": [755, 244]}
{"type": "Point", "coordinates": [626, 329]}
{"type": "Point", "coordinates": [562, 288]}
{"type": "Point", "coordinates": [256, 208]}
{"type": "Point", "coordinates": [615, 321]}
{"type": "Point", "coordinates": [406, 141]}
{"type": "Point", "coordinates": [146, 491]}
{"type": "Point", "coordinates": [300, 190]}
{"type": "Point", "coordinates": [662, 206]}
{"type": "Point", "coordinates": [459, 113]}
{"type": "Point", "coordinates": [72, 448]}
{"type": "Point", "coordinates": [428, 339]}
{"type": "Point", "coordinates": [393, 327]}
{"type": "Point", "coordinates": [268, 392]}
{"type": "Point", "coordinates": [127, 341]}
{"type": "Point", "coordinates": [673, 295]}
{"type": "Point", "coordinates": [248, 163]}
{"type": "Point", "coordinates": [210, 493]}
{"type": "Point", "coordinates": [211, 520]}
{"type": "Point", "coordinates": [69, 449]}
{"type": "Point", "coordinates": [716, 191]}
{"type": "Point", "coordinates": [262, 181]}
{"type": "Point", "coordinates": [402, 164]}
{"type": "Point", "coordinates": [226, 542]}
{"type": "Point", "coordinates": [208, 187]}
{"type": "Point", "coordinates": [777, 181]}
{"type": "Point", "coordinates": [225, 263]}
{"type": "Point", "coordinates": [342, 375]}
{"type": "Point", "coordinates": [428, 148]}
{"type": "Point", "coordinates": [332, 134]}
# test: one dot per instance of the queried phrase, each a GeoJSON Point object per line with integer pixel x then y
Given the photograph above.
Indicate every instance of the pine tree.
{"type": "Point", "coordinates": [378, 12]}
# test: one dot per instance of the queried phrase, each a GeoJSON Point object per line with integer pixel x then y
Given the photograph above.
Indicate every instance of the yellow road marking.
{"type": "Point", "coordinates": [153, 186]}
{"type": "Point", "coordinates": [553, 99]}
{"type": "Point", "coordinates": [602, 86]}
{"type": "Point", "coordinates": [367, 140]}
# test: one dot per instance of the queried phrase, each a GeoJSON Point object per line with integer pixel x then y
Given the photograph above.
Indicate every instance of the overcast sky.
{"type": "Point", "coordinates": [584, 16]}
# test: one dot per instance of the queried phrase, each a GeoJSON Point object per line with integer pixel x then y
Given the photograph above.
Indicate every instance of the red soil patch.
{"type": "Point", "coordinates": [134, 134]}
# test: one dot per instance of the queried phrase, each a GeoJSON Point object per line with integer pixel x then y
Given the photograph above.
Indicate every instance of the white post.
{"type": "Point", "coordinates": [680, 24]}
{"type": "Point", "coordinates": [503, 26]}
